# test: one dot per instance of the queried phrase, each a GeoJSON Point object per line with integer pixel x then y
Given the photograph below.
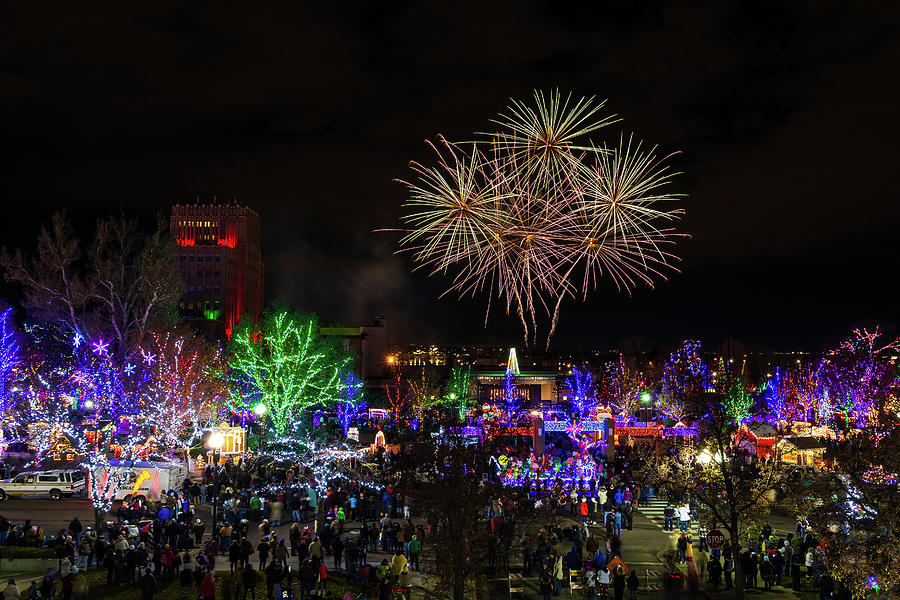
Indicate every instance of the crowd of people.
{"type": "Point", "coordinates": [300, 527]}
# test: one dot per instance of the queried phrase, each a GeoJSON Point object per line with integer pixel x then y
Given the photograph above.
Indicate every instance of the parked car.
{"type": "Point", "coordinates": [55, 484]}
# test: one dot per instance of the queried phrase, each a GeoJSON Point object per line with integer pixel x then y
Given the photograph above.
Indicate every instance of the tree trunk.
{"type": "Point", "coordinates": [738, 571]}
{"type": "Point", "coordinates": [459, 587]}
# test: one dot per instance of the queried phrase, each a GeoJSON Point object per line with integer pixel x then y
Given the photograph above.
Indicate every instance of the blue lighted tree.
{"type": "Point", "coordinates": [10, 357]}
{"type": "Point", "coordinates": [350, 404]}
{"type": "Point", "coordinates": [775, 393]}
{"type": "Point", "coordinates": [580, 389]}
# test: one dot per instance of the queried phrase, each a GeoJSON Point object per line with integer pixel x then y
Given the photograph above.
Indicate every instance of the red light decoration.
{"type": "Point", "coordinates": [229, 241]}
{"type": "Point", "coordinates": [185, 241]}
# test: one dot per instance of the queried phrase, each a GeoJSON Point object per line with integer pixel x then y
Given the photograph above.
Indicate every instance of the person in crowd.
{"type": "Point", "coordinates": [11, 591]}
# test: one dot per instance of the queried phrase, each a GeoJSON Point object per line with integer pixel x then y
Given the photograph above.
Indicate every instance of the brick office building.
{"type": "Point", "coordinates": [220, 264]}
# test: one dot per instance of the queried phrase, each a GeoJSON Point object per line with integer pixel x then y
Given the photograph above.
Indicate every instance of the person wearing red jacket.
{"type": "Point", "coordinates": [208, 587]}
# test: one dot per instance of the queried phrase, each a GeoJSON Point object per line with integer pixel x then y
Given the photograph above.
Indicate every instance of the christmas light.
{"type": "Point", "coordinates": [288, 366]}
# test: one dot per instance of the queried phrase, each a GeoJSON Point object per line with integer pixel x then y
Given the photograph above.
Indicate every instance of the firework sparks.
{"type": "Point", "coordinates": [536, 212]}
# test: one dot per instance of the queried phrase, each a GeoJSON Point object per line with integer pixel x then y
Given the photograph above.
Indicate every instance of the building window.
{"type": "Point", "coordinates": [217, 274]}
{"type": "Point", "coordinates": [183, 274]}
{"type": "Point", "coordinates": [208, 273]}
{"type": "Point", "coordinates": [192, 258]}
{"type": "Point", "coordinates": [218, 258]}
{"type": "Point", "coordinates": [190, 288]}
{"type": "Point", "coordinates": [217, 291]}
{"type": "Point", "coordinates": [208, 258]}
{"type": "Point", "coordinates": [199, 273]}
{"type": "Point", "coordinates": [183, 257]}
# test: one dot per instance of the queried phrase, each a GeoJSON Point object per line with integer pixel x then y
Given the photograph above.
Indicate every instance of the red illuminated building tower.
{"type": "Point", "coordinates": [220, 263]}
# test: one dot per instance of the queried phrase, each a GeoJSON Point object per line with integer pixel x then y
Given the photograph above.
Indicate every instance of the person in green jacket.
{"type": "Point", "coordinates": [415, 546]}
{"type": "Point", "coordinates": [255, 508]}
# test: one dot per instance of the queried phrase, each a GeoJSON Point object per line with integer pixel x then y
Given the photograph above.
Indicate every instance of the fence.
{"type": "Point", "coordinates": [653, 582]}
{"type": "Point", "coordinates": [516, 585]}
{"type": "Point", "coordinates": [575, 581]}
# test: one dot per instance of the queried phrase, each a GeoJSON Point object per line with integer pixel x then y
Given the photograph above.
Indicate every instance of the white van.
{"type": "Point", "coordinates": [56, 484]}
{"type": "Point", "coordinates": [141, 479]}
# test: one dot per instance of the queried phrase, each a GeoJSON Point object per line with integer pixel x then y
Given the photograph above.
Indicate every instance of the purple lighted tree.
{"type": "Point", "coordinates": [860, 376]}
{"type": "Point", "coordinates": [685, 376]}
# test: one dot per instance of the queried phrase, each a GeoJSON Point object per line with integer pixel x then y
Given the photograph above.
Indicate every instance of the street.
{"type": "Point", "coordinates": [52, 516]}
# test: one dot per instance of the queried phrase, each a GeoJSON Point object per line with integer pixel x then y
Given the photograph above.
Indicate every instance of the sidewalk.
{"type": "Point", "coordinates": [778, 591]}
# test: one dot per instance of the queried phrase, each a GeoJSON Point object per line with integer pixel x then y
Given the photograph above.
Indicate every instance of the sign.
{"type": "Point", "coordinates": [353, 434]}
{"type": "Point", "coordinates": [615, 563]}
{"type": "Point", "coordinates": [715, 539]}
{"type": "Point", "coordinates": [569, 427]}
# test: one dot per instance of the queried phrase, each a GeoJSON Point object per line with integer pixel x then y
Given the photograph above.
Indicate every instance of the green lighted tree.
{"type": "Point", "coordinates": [461, 389]}
{"type": "Point", "coordinates": [287, 366]}
{"type": "Point", "coordinates": [738, 402]}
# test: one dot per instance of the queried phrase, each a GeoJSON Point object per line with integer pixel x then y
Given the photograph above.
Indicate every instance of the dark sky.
{"type": "Point", "coordinates": [786, 114]}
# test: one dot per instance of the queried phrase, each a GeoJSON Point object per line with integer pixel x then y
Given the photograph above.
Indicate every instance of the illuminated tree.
{"type": "Point", "coordinates": [350, 404]}
{"type": "Point", "coordinates": [860, 375]}
{"type": "Point", "coordinates": [685, 377]}
{"type": "Point", "coordinates": [461, 389]}
{"type": "Point", "coordinates": [732, 493]}
{"type": "Point", "coordinates": [184, 386]}
{"type": "Point", "coordinates": [111, 289]}
{"type": "Point", "coordinates": [425, 391]}
{"type": "Point", "coordinates": [446, 474]}
{"type": "Point", "coordinates": [622, 386]}
{"type": "Point", "coordinates": [10, 360]}
{"type": "Point", "coordinates": [511, 394]}
{"type": "Point", "coordinates": [580, 389]}
{"type": "Point", "coordinates": [738, 402]}
{"type": "Point", "coordinates": [399, 396]}
{"type": "Point", "coordinates": [46, 415]}
{"type": "Point", "coordinates": [776, 392]}
{"type": "Point", "coordinates": [810, 394]}
{"type": "Point", "coordinates": [863, 507]}
{"type": "Point", "coordinates": [289, 366]}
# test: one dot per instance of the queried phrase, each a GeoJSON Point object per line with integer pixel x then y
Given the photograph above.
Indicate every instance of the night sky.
{"type": "Point", "coordinates": [785, 112]}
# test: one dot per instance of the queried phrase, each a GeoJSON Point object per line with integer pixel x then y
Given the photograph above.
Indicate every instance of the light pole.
{"type": "Point", "coordinates": [214, 443]}
{"type": "Point", "coordinates": [260, 411]}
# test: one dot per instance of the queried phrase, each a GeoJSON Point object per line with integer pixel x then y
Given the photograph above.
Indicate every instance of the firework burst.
{"type": "Point", "coordinates": [536, 212]}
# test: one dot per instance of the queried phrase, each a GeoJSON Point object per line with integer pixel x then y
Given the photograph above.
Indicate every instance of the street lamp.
{"type": "Point", "coordinates": [646, 405]}
{"type": "Point", "coordinates": [260, 411]}
{"type": "Point", "coordinates": [214, 443]}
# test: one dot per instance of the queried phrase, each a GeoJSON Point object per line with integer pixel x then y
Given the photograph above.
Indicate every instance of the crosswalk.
{"type": "Point", "coordinates": [654, 511]}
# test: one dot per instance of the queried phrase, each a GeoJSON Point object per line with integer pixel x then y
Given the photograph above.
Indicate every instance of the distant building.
{"type": "Point", "coordinates": [369, 344]}
{"type": "Point", "coordinates": [534, 387]}
{"type": "Point", "coordinates": [220, 264]}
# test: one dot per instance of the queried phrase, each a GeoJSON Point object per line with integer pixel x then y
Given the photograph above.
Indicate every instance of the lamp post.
{"type": "Point", "coordinates": [214, 443]}
{"type": "Point", "coordinates": [260, 411]}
